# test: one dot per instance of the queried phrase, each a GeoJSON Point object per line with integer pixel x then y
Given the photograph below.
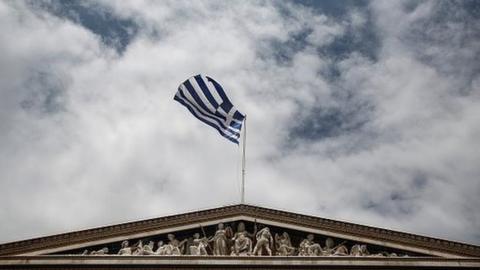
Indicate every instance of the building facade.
{"type": "Point", "coordinates": [238, 237]}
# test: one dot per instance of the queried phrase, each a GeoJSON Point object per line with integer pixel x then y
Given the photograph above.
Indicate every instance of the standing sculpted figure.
{"type": "Point", "coordinates": [219, 241]}
{"type": "Point", "coordinates": [264, 242]}
{"type": "Point", "coordinates": [199, 245]}
{"type": "Point", "coordinates": [125, 249]}
{"type": "Point", "coordinates": [284, 245]}
{"type": "Point", "coordinates": [309, 248]}
{"type": "Point", "coordinates": [242, 244]}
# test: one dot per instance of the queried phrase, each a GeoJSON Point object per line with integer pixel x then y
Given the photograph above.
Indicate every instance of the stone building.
{"type": "Point", "coordinates": [238, 237]}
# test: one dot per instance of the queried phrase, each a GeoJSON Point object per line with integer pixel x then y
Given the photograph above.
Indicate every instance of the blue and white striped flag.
{"type": "Point", "coordinates": [207, 101]}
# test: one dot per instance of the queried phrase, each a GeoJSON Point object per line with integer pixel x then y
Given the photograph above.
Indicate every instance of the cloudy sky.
{"type": "Point", "coordinates": [360, 111]}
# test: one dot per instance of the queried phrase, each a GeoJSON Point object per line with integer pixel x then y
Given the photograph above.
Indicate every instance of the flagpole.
{"type": "Point", "coordinates": [243, 158]}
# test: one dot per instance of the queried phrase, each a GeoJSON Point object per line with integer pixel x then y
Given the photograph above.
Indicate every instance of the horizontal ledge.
{"type": "Point", "coordinates": [347, 261]}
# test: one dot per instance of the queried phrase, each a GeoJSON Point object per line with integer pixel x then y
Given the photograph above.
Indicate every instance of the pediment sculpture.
{"type": "Point", "coordinates": [224, 241]}
{"type": "Point", "coordinates": [238, 236]}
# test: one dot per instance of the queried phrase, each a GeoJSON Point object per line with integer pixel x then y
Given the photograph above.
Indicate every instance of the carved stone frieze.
{"type": "Point", "coordinates": [240, 242]}
{"type": "Point", "coordinates": [224, 241]}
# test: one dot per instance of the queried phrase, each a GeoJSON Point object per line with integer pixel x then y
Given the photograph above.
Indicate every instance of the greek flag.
{"type": "Point", "coordinates": [207, 101]}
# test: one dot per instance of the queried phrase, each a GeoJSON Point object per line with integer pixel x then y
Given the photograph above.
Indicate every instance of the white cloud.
{"type": "Point", "coordinates": [119, 148]}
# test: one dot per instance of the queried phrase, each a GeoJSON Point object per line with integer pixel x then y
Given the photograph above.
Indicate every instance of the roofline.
{"type": "Point", "coordinates": [334, 226]}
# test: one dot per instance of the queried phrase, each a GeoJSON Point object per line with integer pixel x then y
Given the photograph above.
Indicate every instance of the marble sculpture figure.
{"type": "Point", "coordinates": [264, 242]}
{"type": "Point", "coordinates": [241, 244]}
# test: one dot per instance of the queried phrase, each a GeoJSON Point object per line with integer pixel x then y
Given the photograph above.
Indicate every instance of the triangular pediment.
{"type": "Point", "coordinates": [334, 238]}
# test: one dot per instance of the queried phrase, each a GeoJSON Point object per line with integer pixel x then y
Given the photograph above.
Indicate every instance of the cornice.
{"type": "Point", "coordinates": [376, 233]}
{"type": "Point", "coordinates": [125, 229]}
{"type": "Point", "coordinates": [227, 262]}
